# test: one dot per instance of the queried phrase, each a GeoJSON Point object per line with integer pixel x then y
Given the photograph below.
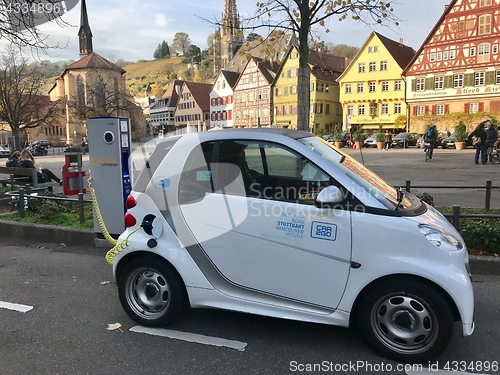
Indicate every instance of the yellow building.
{"type": "Point", "coordinates": [372, 90]}
{"type": "Point", "coordinates": [325, 109]}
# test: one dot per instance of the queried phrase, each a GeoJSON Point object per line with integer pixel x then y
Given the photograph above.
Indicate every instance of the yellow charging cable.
{"type": "Point", "coordinates": [118, 246]}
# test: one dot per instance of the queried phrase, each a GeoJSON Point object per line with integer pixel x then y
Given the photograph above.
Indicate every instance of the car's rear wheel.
{"type": "Point", "coordinates": [406, 320]}
{"type": "Point", "coordinates": [151, 291]}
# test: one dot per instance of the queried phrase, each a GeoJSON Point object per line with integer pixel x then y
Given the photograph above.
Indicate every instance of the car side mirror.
{"type": "Point", "coordinates": [329, 195]}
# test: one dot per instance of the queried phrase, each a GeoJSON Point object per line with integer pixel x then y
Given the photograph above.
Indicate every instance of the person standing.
{"type": "Point", "coordinates": [387, 139]}
{"type": "Point", "coordinates": [491, 139]}
{"type": "Point", "coordinates": [480, 133]}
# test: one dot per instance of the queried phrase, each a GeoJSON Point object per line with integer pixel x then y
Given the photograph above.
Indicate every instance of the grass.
{"type": "Point", "coordinates": [61, 220]}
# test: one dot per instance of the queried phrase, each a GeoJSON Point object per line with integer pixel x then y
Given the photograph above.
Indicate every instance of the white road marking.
{"type": "Point", "coordinates": [15, 306]}
{"type": "Point", "coordinates": [191, 337]}
{"type": "Point", "coordinates": [441, 372]}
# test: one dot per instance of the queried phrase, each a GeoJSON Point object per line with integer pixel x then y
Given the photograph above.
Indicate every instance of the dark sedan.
{"type": "Point", "coordinates": [404, 140]}
{"type": "Point", "coordinates": [449, 142]}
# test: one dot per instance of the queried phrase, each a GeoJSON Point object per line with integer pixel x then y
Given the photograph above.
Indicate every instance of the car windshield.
{"type": "Point", "coordinates": [402, 135]}
{"type": "Point", "coordinates": [369, 181]}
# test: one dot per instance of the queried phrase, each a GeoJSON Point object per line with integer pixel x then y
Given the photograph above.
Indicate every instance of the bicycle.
{"type": "Point", "coordinates": [427, 149]}
{"type": "Point", "coordinates": [492, 154]}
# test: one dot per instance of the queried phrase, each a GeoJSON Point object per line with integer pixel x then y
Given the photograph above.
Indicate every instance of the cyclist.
{"type": "Point", "coordinates": [430, 137]}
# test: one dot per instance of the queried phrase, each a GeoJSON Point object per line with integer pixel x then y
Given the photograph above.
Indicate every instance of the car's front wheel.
{"type": "Point", "coordinates": [406, 320]}
{"type": "Point", "coordinates": [151, 291]}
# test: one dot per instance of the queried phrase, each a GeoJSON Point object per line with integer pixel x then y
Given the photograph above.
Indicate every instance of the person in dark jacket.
{"type": "Point", "coordinates": [481, 147]}
{"type": "Point", "coordinates": [13, 160]}
{"type": "Point", "coordinates": [44, 175]}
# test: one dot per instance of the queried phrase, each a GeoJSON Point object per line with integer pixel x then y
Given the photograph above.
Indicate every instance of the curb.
{"type": "Point", "coordinates": [46, 233]}
{"type": "Point", "coordinates": [481, 265]}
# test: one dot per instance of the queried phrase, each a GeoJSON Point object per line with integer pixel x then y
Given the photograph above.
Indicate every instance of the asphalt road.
{"type": "Point", "coordinates": [74, 299]}
{"type": "Point", "coordinates": [449, 168]}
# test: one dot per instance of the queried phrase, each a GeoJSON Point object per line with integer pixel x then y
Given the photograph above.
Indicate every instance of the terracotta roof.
{"type": "Point", "coordinates": [323, 65]}
{"type": "Point", "coordinates": [231, 77]}
{"type": "Point", "coordinates": [201, 93]}
{"type": "Point", "coordinates": [172, 94]}
{"type": "Point", "coordinates": [401, 53]}
{"type": "Point", "coordinates": [94, 61]}
{"type": "Point", "coordinates": [268, 69]}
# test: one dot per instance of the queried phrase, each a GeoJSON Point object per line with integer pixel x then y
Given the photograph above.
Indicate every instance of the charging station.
{"type": "Point", "coordinates": [109, 140]}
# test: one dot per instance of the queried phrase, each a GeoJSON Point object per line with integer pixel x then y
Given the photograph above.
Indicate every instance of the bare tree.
{"type": "Point", "coordinates": [181, 42]}
{"type": "Point", "coordinates": [303, 19]}
{"type": "Point", "coordinates": [19, 21]}
{"type": "Point", "coordinates": [22, 104]}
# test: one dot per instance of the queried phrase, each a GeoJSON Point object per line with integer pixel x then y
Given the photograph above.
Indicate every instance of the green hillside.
{"type": "Point", "coordinates": [160, 73]}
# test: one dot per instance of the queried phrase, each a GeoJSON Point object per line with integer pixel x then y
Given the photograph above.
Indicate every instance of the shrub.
{"type": "Point", "coordinates": [379, 134]}
{"type": "Point", "coordinates": [427, 198]}
{"type": "Point", "coordinates": [481, 235]}
{"type": "Point", "coordinates": [460, 132]}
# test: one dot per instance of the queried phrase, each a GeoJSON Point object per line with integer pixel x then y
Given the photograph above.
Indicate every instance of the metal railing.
{"type": "Point", "coordinates": [23, 195]}
{"type": "Point", "coordinates": [488, 188]}
{"type": "Point", "coordinates": [456, 215]}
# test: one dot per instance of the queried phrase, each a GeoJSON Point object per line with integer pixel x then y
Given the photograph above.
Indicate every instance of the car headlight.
{"type": "Point", "coordinates": [440, 238]}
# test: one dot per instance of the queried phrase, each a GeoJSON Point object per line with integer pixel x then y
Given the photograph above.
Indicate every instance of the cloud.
{"type": "Point", "coordinates": [160, 20]}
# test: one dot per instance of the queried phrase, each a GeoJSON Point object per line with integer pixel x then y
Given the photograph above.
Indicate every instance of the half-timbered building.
{"type": "Point", "coordinates": [455, 74]}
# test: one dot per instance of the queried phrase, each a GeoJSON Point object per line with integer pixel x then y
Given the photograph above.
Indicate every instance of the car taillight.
{"type": "Point", "coordinates": [130, 202]}
{"type": "Point", "coordinates": [130, 220]}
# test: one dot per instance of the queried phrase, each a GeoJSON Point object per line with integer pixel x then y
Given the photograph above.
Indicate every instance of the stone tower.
{"type": "Point", "coordinates": [229, 38]}
{"type": "Point", "coordinates": [84, 34]}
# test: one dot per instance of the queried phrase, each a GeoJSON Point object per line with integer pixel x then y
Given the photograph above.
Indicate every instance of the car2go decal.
{"type": "Point", "coordinates": [277, 222]}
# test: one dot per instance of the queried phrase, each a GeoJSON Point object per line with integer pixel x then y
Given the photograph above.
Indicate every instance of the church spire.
{"type": "Point", "coordinates": [84, 34]}
{"type": "Point", "coordinates": [229, 38]}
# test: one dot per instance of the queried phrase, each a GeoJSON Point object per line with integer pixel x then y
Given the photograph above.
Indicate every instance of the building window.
{"type": "Point", "coordinates": [398, 108]}
{"type": "Point", "coordinates": [472, 51]}
{"type": "Point", "coordinates": [485, 3]}
{"type": "Point", "coordinates": [432, 57]}
{"type": "Point", "coordinates": [420, 110]}
{"type": "Point", "coordinates": [445, 55]}
{"type": "Point", "coordinates": [483, 52]}
{"type": "Point", "coordinates": [479, 79]}
{"type": "Point", "coordinates": [361, 67]}
{"type": "Point", "coordinates": [383, 66]}
{"type": "Point", "coordinates": [385, 109]}
{"type": "Point", "coordinates": [350, 110]}
{"type": "Point", "coordinates": [372, 86]}
{"type": "Point", "coordinates": [473, 107]}
{"type": "Point", "coordinates": [458, 81]}
{"type": "Point", "coordinates": [439, 56]}
{"type": "Point", "coordinates": [453, 53]}
{"type": "Point", "coordinates": [420, 84]}
{"type": "Point", "coordinates": [360, 88]}
{"type": "Point", "coordinates": [440, 109]}
{"type": "Point", "coordinates": [375, 49]}
{"type": "Point", "coordinates": [497, 77]}
{"type": "Point", "coordinates": [372, 66]}
{"type": "Point", "coordinates": [370, 49]}
{"type": "Point", "coordinates": [348, 88]}
{"type": "Point", "coordinates": [438, 83]}
{"type": "Point", "coordinates": [385, 86]}
{"type": "Point", "coordinates": [327, 109]}
{"type": "Point", "coordinates": [398, 85]}
{"type": "Point", "coordinates": [361, 110]}
{"type": "Point", "coordinates": [373, 109]}
{"type": "Point", "coordinates": [484, 24]}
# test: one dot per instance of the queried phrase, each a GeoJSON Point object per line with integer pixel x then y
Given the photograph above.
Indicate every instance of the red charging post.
{"type": "Point", "coordinates": [72, 174]}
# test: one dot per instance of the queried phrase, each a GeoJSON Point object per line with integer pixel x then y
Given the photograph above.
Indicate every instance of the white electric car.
{"type": "Point", "coordinates": [279, 223]}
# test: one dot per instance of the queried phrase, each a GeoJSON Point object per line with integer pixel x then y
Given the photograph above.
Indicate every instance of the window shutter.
{"type": "Point", "coordinates": [426, 109]}
{"type": "Point", "coordinates": [413, 85]}
{"type": "Point", "coordinates": [433, 109]}
{"type": "Point", "coordinates": [414, 110]}
{"type": "Point", "coordinates": [448, 82]}
{"type": "Point", "coordinates": [481, 106]}
{"type": "Point", "coordinates": [429, 83]}
{"type": "Point", "coordinates": [446, 108]}
{"type": "Point", "coordinates": [466, 107]}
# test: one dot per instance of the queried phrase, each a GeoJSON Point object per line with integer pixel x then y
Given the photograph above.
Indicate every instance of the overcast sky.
{"type": "Point", "coordinates": [132, 29]}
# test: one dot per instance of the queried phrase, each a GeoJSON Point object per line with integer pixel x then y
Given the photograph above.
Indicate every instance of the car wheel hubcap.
{"type": "Point", "coordinates": [404, 323]}
{"type": "Point", "coordinates": [148, 293]}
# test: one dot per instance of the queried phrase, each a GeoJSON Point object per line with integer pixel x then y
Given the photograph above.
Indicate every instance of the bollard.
{"type": "Point", "coordinates": [456, 217]}
{"type": "Point", "coordinates": [488, 195]}
{"type": "Point", "coordinates": [80, 207]}
{"type": "Point", "coordinates": [22, 213]}
{"type": "Point", "coordinates": [408, 184]}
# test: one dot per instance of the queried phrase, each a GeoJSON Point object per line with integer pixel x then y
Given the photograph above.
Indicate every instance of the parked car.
{"type": "Point", "coordinates": [45, 143]}
{"type": "Point", "coordinates": [313, 224]}
{"type": "Point", "coordinates": [441, 135]}
{"type": "Point", "coordinates": [405, 140]}
{"type": "Point", "coordinates": [4, 152]}
{"type": "Point", "coordinates": [371, 141]}
{"type": "Point", "coordinates": [449, 142]}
